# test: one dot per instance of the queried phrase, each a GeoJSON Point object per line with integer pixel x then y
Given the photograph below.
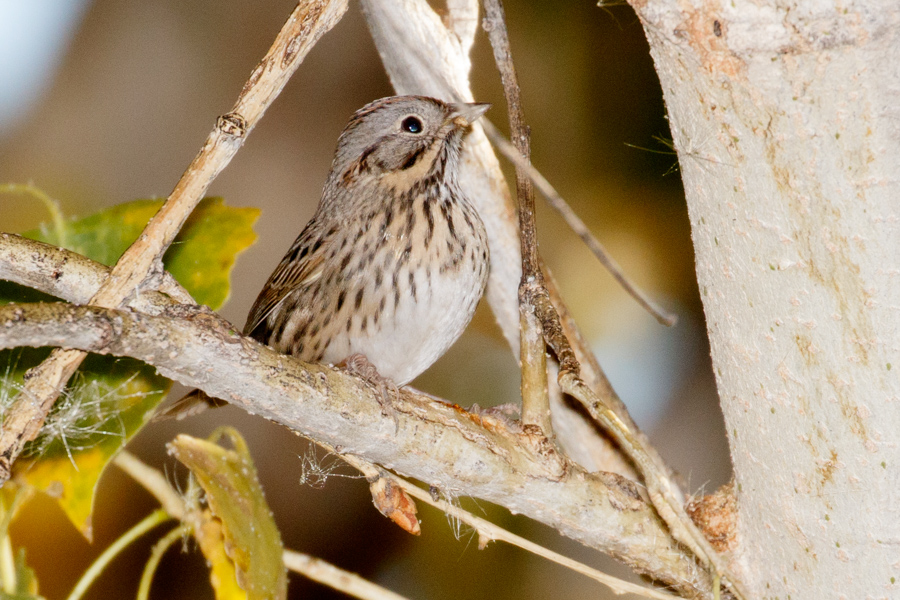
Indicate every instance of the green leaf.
{"type": "Point", "coordinates": [110, 398]}
{"type": "Point", "coordinates": [201, 258]}
{"type": "Point", "coordinates": [234, 496]}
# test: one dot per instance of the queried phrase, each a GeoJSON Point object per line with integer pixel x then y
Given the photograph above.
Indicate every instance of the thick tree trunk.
{"type": "Point", "coordinates": [786, 118]}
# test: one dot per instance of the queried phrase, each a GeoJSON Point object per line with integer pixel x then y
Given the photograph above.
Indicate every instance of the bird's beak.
{"type": "Point", "coordinates": [466, 114]}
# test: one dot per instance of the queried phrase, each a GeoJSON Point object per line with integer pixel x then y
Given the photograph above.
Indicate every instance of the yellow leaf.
{"type": "Point", "coordinates": [251, 538]}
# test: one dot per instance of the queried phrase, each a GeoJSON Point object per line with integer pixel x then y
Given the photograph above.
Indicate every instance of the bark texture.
{"type": "Point", "coordinates": [786, 118]}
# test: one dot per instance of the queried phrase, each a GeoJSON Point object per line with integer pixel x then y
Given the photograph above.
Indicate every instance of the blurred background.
{"type": "Point", "coordinates": [106, 101]}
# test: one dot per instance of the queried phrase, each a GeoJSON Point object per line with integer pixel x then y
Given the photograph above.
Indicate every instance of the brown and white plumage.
{"type": "Point", "coordinates": [395, 259]}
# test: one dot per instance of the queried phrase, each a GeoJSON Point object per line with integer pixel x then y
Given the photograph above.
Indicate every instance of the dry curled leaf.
{"type": "Point", "coordinates": [483, 540]}
{"type": "Point", "coordinates": [395, 504]}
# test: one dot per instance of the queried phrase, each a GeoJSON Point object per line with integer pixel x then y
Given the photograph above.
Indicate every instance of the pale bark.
{"type": "Point", "coordinates": [435, 442]}
{"type": "Point", "coordinates": [785, 118]}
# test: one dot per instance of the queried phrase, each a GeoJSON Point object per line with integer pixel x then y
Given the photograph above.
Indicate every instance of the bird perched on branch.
{"type": "Point", "coordinates": [388, 272]}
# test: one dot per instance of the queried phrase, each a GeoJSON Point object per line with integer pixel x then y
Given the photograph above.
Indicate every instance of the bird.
{"type": "Point", "coordinates": [388, 272]}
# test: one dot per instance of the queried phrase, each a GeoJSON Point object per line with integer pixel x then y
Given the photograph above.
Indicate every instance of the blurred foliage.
{"type": "Point", "coordinates": [17, 580]}
{"type": "Point", "coordinates": [110, 398]}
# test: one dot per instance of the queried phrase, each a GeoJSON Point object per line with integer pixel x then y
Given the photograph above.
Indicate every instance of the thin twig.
{"type": "Point", "coordinates": [143, 260]}
{"type": "Point", "coordinates": [535, 398]}
{"type": "Point", "coordinates": [52, 206]}
{"type": "Point", "coordinates": [153, 481]}
{"type": "Point", "coordinates": [159, 549]}
{"type": "Point", "coordinates": [533, 358]}
{"type": "Point", "coordinates": [145, 525]}
{"type": "Point", "coordinates": [488, 531]}
{"type": "Point", "coordinates": [337, 578]}
{"type": "Point", "coordinates": [559, 204]}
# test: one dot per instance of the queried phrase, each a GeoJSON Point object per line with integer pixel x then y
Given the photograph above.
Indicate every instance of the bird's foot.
{"type": "Point", "coordinates": [359, 365]}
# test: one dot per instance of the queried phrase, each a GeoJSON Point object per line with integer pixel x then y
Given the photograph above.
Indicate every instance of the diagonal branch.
{"type": "Point", "coordinates": [141, 265]}
{"type": "Point", "coordinates": [535, 393]}
{"type": "Point", "coordinates": [488, 532]}
{"type": "Point", "coordinates": [426, 439]}
{"type": "Point", "coordinates": [66, 274]}
{"type": "Point", "coordinates": [536, 299]}
{"type": "Point", "coordinates": [558, 203]}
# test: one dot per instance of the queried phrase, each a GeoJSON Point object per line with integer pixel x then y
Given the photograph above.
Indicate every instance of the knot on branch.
{"type": "Point", "coordinates": [716, 516]}
{"type": "Point", "coordinates": [232, 124]}
{"type": "Point", "coordinates": [111, 326]}
{"type": "Point", "coordinates": [533, 438]}
{"type": "Point", "coordinates": [209, 320]}
{"type": "Point", "coordinates": [553, 331]}
{"type": "Point", "coordinates": [624, 494]}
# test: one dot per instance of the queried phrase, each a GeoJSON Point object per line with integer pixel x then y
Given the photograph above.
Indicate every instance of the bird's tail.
{"type": "Point", "coordinates": [193, 403]}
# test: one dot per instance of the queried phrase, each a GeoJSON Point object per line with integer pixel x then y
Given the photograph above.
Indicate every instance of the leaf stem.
{"type": "Point", "coordinates": [7, 566]}
{"type": "Point", "coordinates": [159, 549]}
{"type": "Point", "coordinates": [150, 521]}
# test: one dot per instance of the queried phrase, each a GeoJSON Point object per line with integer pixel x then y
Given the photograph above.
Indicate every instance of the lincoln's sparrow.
{"type": "Point", "coordinates": [391, 266]}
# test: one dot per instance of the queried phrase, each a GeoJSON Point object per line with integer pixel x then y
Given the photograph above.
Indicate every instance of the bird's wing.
{"type": "Point", "coordinates": [301, 266]}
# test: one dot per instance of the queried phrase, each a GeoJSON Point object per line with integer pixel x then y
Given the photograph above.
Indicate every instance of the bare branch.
{"type": "Point", "coordinates": [488, 532]}
{"type": "Point", "coordinates": [337, 578]}
{"type": "Point", "coordinates": [66, 274]}
{"type": "Point", "coordinates": [559, 204]}
{"type": "Point", "coordinates": [153, 481]}
{"type": "Point", "coordinates": [425, 439]}
{"type": "Point", "coordinates": [664, 493]}
{"type": "Point", "coordinates": [535, 395]}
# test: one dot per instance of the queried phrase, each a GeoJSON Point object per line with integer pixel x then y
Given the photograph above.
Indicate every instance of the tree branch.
{"type": "Point", "coordinates": [65, 274]}
{"type": "Point", "coordinates": [535, 393]}
{"type": "Point", "coordinates": [558, 203]}
{"type": "Point", "coordinates": [143, 260]}
{"type": "Point", "coordinates": [488, 532]}
{"type": "Point", "coordinates": [438, 443]}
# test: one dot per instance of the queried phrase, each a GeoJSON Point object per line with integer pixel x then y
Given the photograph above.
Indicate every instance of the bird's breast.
{"type": "Point", "coordinates": [411, 293]}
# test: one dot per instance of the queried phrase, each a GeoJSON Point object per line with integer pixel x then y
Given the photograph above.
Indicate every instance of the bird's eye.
{"type": "Point", "coordinates": [412, 125]}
